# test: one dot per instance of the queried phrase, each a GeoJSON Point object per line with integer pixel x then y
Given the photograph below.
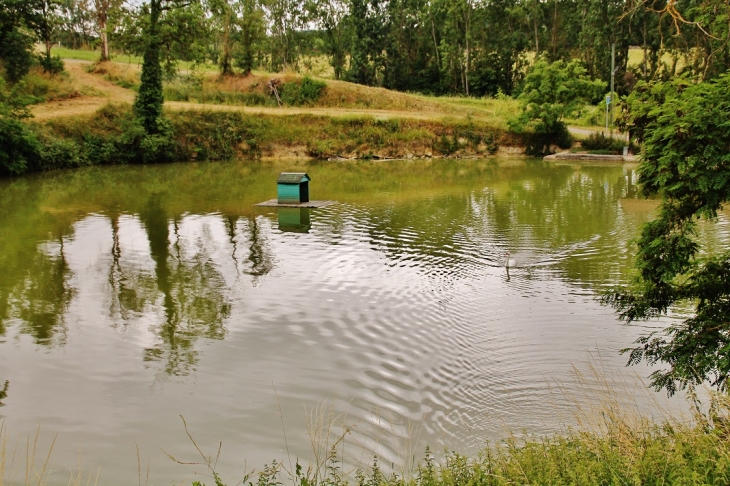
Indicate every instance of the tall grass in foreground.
{"type": "Point", "coordinates": [611, 443]}
{"type": "Point", "coordinates": [26, 463]}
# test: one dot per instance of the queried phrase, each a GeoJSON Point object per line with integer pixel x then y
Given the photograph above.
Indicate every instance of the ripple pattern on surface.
{"type": "Point", "coordinates": [398, 311]}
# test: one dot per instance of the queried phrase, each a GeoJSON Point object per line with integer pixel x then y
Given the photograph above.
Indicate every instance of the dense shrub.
{"type": "Point", "coordinates": [16, 47]}
{"type": "Point", "coordinates": [59, 153]}
{"type": "Point", "coordinates": [51, 64]}
{"type": "Point", "coordinates": [304, 92]}
{"type": "Point", "coordinates": [539, 144]}
{"type": "Point", "coordinates": [18, 146]}
{"type": "Point", "coordinates": [600, 142]}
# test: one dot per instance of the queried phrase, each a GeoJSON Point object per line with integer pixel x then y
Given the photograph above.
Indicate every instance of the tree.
{"type": "Point", "coordinates": [102, 9]}
{"type": "Point", "coordinates": [551, 92]}
{"type": "Point", "coordinates": [46, 20]}
{"type": "Point", "coordinates": [148, 104]}
{"type": "Point", "coordinates": [685, 128]}
{"type": "Point", "coordinates": [251, 31]}
{"type": "Point", "coordinates": [604, 25]}
{"type": "Point", "coordinates": [18, 144]}
{"type": "Point", "coordinates": [224, 13]}
{"type": "Point", "coordinates": [329, 16]}
{"type": "Point", "coordinates": [499, 59]}
{"type": "Point", "coordinates": [366, 46]}
{"type": "Point", "coordinates": [16, 39]}
{"type": "Point", "coordinates": [285, 17]}
{"type": "Point", "coordinates": [77, 23]}
{"type": "Point", "coordinates": [455, 43]}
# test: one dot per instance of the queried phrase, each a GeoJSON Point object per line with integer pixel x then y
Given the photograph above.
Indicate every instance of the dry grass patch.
{"type": "Point", "coordinates": [46, 87]}
{"type": "Point", "coordinates": [253, 90]}
{"type": "Point", "coordinates": [124, 75]}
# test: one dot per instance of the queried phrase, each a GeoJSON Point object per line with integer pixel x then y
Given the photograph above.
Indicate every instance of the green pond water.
{"type": "Point", "coordinates": [132, 295]}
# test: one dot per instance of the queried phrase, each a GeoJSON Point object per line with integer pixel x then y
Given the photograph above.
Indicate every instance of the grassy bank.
{"type": "Point", "coordinates": [113, 136]}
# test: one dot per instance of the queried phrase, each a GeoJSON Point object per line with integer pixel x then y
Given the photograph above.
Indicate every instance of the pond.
{"type": "Point", "coordinates": [131, 296]}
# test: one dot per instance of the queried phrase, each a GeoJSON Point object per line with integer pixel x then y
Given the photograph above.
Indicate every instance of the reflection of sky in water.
{"type": "Point", "coordinates": [395, 315]}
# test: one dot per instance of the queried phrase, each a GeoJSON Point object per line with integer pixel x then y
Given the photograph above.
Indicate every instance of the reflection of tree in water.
{"type": "Point", "coordinates": [132, 290]}
{"type": "Point", "coordinates": [4, 310]}
{"type": "Point", "coordinates": [193, 291]}
{"type": "Point", "coordinates": [4, 392]}
{"type": "Point", "coordinates": [40, 301]}
{"type": "Point", "coordinates": [260, 258]}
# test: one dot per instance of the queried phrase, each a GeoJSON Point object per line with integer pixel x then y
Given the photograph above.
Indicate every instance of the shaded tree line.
{"type": "Point", "coordinates": [469, 47]}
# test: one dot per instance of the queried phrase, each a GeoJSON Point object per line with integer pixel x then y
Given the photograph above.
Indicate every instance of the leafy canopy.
{"type": "Point", "coordinates": [686, 132]}
{"type": "Point", "coordinates": [553, 91]}
{"type": "Point", "coordinates": [18, 144]}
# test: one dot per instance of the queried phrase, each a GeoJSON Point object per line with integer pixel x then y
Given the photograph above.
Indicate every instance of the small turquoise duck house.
{"type": "Point", "coordinates": [293, 188]}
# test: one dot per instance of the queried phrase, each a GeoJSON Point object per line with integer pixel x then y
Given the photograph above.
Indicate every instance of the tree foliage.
{"type": "Point", "coordinates": [18, 144]}
{"type": "Point", "coordinates": [551, 92]}
{"type": "Point", "coordinates": [16, 37]}
{"type": "Point", "coordinates": [685, 128]}
{"type": "Point", "coordinates": [148, 104]}
{"type": "Point", "coordinates": [466, 47]}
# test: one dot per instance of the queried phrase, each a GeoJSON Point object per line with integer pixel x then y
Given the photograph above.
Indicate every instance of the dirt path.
{"type": "Point", "coordinates": [82, 105]}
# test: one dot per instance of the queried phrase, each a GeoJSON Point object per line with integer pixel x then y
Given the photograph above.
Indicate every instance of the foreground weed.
{"type": "Point", "coordinates": [19, 464]}
{"type": "Point", "coordinates": [613, 443]}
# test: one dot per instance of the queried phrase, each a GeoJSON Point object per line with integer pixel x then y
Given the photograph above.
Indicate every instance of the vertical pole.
{"type": "Point", "coordinates": [613, 72]}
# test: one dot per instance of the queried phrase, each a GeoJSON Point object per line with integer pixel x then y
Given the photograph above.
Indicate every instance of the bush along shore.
{"type": "Point", "coordinates": [113, 135]}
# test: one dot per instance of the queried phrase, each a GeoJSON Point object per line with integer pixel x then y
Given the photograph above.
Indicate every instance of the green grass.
{"type": "Point", "coordinates": [80, 54]}
{"type": "Point", "coordinates": [93, 56]}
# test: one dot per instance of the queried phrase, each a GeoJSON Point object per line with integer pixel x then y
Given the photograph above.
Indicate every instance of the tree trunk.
{"type": "Point", "coordinates": [466, 69]}
{"type": "Point", "coordinates": [466, 38]}
{"type": "Point", "coordinates": [102, 16]}
{"type": "Point", "coordinates": [645, 59]}
{"type": "Point", "coordinates": [436, 46]}
{"type": "Point", "coordinates": [226, 58]}
{"type": "Point", "coordinates": [104, 42]}
{"type": "Point", "coordinates": [148, 104]}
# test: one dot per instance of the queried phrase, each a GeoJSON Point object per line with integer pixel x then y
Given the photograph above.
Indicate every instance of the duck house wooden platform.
{"type": "Point", "coordinates": [274, 203]}
{"type": "Point", "coordinates": [292, 189]}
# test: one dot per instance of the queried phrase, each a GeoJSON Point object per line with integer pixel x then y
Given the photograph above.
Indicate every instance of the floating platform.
{"type": "Point", "coordinates": [582, 156]}
{"type": "Point", "coordinates": [274, 203]}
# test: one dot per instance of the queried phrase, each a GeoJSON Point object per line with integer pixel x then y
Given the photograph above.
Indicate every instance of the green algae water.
{"type": "Point", "coordinates": [130, 296]}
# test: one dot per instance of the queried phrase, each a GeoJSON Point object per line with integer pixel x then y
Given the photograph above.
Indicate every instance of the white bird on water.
{"type": "Point", "coordinates": [509, 262]}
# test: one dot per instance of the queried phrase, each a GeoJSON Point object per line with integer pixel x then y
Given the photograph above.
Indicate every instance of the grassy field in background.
{"type": "Point", "coordinates": [80, 54]}
{"type": "Point", "coordinates": [93, 56]}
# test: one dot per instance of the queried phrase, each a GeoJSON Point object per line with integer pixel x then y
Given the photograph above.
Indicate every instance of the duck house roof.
{"type": "Point", "coordinates": [292, 178]}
